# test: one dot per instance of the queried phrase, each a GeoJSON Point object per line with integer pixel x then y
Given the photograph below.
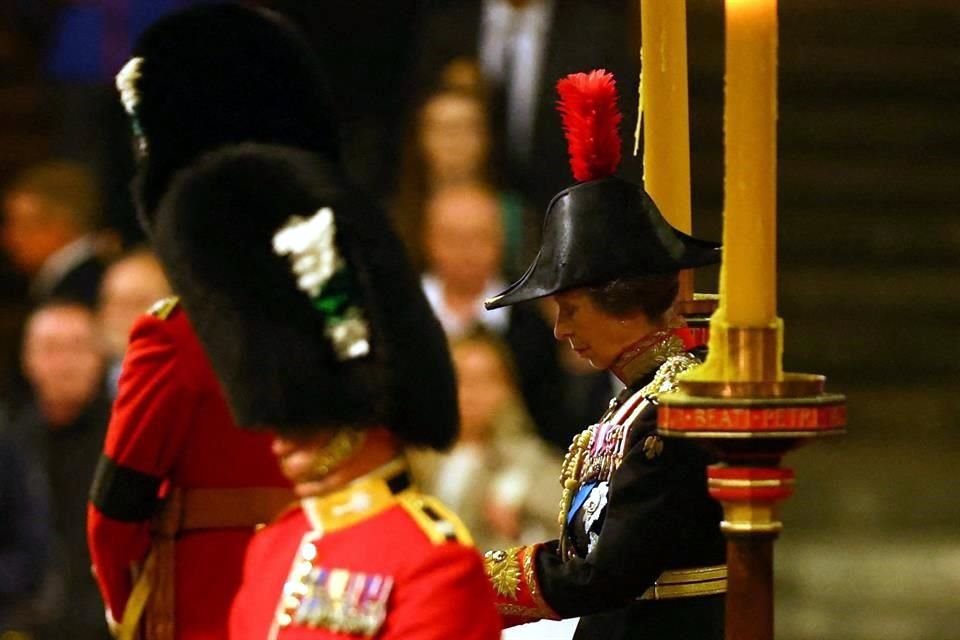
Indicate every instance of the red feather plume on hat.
{"type": "Point", "coordinates": [588, 109]}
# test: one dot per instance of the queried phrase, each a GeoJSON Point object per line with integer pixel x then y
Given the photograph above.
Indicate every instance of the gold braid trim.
{"type": "Point", "coordinates": [343, 445]}
{"type": "Point", "coordinates": [508, 570]}
{"type": "Point", "coordinates": [570, 474]}
{"type": "Point", "coordinates": [648, 354]}
{"type": "Point", "coordinates": [527, 613]}
{"type": "Point", "coordinates": [533, 584]}
{"type": "Point", "coordinates": [665, 379]}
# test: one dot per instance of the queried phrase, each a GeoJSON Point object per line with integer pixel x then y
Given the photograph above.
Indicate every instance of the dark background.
{"type": "Point", "coordinates": [869, 258]}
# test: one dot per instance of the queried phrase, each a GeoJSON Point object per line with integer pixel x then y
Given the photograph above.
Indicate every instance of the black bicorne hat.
{"type": "Point", "coordinates": [215, 75]}
{"type": "Point", "coordinates": [603, 228]}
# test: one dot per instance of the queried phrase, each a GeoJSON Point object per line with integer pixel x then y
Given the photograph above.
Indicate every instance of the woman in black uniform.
{"type": "Point", "coordinates": [640, 553]}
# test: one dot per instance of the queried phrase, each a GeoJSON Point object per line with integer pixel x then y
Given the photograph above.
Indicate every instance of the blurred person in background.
{"type": "Point", "coordinates": [63, 360]}
{"type": "Point", "coordinates": [131, 285]}
{"type": "Point", "coordinates": [522, 46]}
{"type": "Point", "coordinates": [451, 143]}
{"type": "Point", "coordinates": [50, 214]}
{"type": "Point", "coordinates": [463, 239]}
{"type": "Point", "coordinates": [493, 476]}
{"type": "Point", "coordinates": [25, 534]}
{"type": "Point", "coordinates": [81, 46]}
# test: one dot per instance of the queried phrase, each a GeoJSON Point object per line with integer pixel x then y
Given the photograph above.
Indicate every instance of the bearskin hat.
{"type": "Point", "coordinates": [295, 283]}
{"type": "Point", "coordinates": [220, 74]}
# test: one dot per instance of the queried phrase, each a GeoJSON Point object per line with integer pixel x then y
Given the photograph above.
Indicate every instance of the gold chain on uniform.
{"type": "Point", "coordinates": [578, 464]}
{"type": "Point", "coordinates": [344, 444]}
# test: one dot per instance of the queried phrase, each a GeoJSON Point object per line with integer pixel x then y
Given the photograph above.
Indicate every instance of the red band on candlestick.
{"type": "Point", "coordinates": [752, 419]}
{"type": "Point", "coordinates": [751, 484]}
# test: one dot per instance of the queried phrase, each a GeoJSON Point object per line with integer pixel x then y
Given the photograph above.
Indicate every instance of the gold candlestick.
{"type": "Point", "coordinates": [666, 131]}
{"type": "Point", "coordinates": [740, 403]}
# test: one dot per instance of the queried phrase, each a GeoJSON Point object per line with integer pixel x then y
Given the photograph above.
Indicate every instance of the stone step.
{"type": "Point", "coordinates": [860, 350]}
{"type": "Point", "coordinates": [895, 470]}
{"type": "Point", "coordinates": [831, 53]}
{"type": "Point", "coordinates": [926, 294]}
{"type": "Point", "coordinates": [853, 586]}
{"type": "Point", "coordinates": [833, 180]}
{"type": "Point", "coordinates": [851, 126]}
{"type": "Point", "coordinates": [867, 324]}
{"type": "Point", "coordinates": [870, 239]}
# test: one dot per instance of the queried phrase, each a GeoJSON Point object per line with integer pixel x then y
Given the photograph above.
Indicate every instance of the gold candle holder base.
{"type": "Point", "coordinates": [750, 354]}
{"type": "Point", "coordinates": [750, 422]}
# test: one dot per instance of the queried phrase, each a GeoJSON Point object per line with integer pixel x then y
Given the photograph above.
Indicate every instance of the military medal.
{"type": "Point", "coordinates": [341, 600]}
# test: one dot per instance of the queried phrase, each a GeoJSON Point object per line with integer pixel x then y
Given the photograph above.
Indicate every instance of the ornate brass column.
{"type": "Point", "coordinates": [751, 425]}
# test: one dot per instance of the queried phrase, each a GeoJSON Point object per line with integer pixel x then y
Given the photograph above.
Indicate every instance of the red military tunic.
{"type": "Point", "coordinates": [375, 559]}
{"type": "Point", "coordinates": [171, 429]}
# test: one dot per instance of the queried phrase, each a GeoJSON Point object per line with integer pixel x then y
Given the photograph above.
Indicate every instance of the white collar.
{"type": "Point", "coordinates": [496, 320]}
{"type": "Point", "coordinates": [501, 12]}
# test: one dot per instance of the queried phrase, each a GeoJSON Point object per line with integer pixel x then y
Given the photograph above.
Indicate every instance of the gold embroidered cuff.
{"type": "Point", "coordinates": [513, 576]}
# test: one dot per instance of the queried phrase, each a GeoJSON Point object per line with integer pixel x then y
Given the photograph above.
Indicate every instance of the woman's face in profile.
{"type": "Point", "coordinates": [593, 334]}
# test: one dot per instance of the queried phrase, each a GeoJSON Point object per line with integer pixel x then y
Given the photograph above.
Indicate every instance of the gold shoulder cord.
{"type": "Point", "coordinates": [665, 380]}
{"type": "Point", "coordinates": [570, 473]}
{"type": "Point", "coordinates": [344, 444]}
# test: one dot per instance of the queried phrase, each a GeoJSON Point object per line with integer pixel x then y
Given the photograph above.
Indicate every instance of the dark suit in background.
{"type": "Point", "coordinates": [69, 455]}
{"type": "Point", "coordinates": [81, 283]}
{"type": "Point", "coordinates": [25, 534]}
{"type": "Point", "coordinates": [367, 44]}
{"type": "Point", "coordinates": [581, 35]}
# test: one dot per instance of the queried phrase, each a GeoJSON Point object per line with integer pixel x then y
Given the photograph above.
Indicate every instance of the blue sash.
{"type": "Point", "coordinates": [580, 498]}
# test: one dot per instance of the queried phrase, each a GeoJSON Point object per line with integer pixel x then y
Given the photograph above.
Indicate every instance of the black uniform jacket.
{"type": "Point", "coordinates": [654, 515]}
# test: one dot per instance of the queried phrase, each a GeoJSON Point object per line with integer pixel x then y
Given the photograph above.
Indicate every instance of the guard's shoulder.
{"type": "Point", "coordinates": [164, 308]}
{"type": "Point", "coordinates": [434, 519]}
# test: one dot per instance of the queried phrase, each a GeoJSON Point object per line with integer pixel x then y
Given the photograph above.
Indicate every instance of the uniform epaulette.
{"type": "Point", "coordinates": [163, 307]}
{"type": "Point", "coordinates": [438, 522]}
